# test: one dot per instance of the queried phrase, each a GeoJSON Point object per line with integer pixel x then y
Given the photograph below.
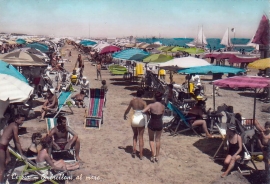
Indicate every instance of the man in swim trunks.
{"type": "Point", "coordinates": [60, 135]}
{"type": "Point", "coordinates": [137, 104]}
{"type": "Point", "coordinates": [11, 131]}
{"type": "Point", "coordinates": [81, 65]}
{"type": "Point", "coordinates": [50, 105]}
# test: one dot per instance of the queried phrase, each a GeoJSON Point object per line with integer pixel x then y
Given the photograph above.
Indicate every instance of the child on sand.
{"type": "Point", "coordinates": [264, 143]}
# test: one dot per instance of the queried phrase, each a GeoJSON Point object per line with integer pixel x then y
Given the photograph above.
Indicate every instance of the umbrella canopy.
{"type": "Point", "coordinates": [3, 105]}
{"type": "Point", "coordinates": [211, 69]}
{"type": "Point", "coordinates": [176, 49]}
{"type": "Point", "coordinates": [88, 43]}
{"type": "Point", "coordinates": [166, 49]}
{"type": "Point", "coordinates": [261, 64]}
{"type": "Point", "coordinates": [14, 89]}
{"type": "Point", "coordinates": [138, 57]}
{"type": "Point", "coordinates": [21, 41]}
{"type": "Point", "coordinates": [184, 62]}
{"type": "Point", "coordinates": [193, 50]}
{"type": "Point", "coordinates": [109, 49]}
{"type": "Point", "coordinates": [8, 69]}
{"type": "Point", "coordinates": [243, 82]}
{"type": "Point", "coordinates": [262, 33]}
{"type": "Point", "coordinates": [235, 59]}
{"type": "Point", "coordinates": [144, 46]}
{"type": "Point", "coordinates": [161, 47]}
{"type": "Point", "coordinates": [39, 46]}
{"type": "Point", "coordinates": [11, 42]}
{"type": "Point", "coordinates": [20, 58]}
{"type": "Point", "coordinates": [130, 45]}
{"type": "Point", "coordinates": [153, 45]}
{"type": "Point", "coordinates": [158, 58]}
{"type": "Point", "coordinates": [127, 54]}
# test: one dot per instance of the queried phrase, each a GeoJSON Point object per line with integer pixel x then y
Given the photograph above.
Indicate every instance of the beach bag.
{"type": "Point", "coordinates": [138, 119]}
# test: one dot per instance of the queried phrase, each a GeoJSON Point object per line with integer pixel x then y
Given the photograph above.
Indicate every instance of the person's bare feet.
{"type": "Point", "coordinates": [224, 175]}
{"type": "Point", "coordinates": [209, 136]}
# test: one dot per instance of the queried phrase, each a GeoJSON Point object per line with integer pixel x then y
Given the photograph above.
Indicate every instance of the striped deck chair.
{"type": "Point", "coordinates": [94, 114]}
{"type": "Point", "coordinates": [62, 98]}
{"type": "Point", "coordinates": [30, 172]}
{"type": "Point", "coordinates": [51, 123]}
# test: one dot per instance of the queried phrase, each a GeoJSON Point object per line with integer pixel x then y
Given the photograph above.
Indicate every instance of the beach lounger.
{"type": "Point", "coordinates": [181, 120]}
{"type": "Point", "coordinates": [62, 99]}
{"type": "Point", "coordinates": [31, 172]}
{"type": "Point", "coordinates": [94, 113]}
{"type": "Point", "coordinates": [51, 123]}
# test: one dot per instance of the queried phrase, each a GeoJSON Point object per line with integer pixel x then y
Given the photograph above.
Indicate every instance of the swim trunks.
{"type": "Point", "coordinates": [138, 119]}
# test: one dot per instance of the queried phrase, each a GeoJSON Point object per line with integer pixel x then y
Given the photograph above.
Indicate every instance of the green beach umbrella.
{"type": "Point", "coordinates": [166, 49]}
{"type": "Point", "coordinates": [157, 58]}
{"type": "Point", "coordinates": [176, 49]}
{"type": "Point", "coordinates": [160, 48]}
{"type": "Point", "coordinates": [194, 50]}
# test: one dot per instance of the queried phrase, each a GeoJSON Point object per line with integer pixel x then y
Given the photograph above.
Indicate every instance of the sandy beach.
{"type": "Point", "coordinates": [106, 152]}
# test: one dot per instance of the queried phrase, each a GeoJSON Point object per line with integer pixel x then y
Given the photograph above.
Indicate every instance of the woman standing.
{"type": "Point", "coordinates": [137, 122]}
{"type": "Point", "coordinates": [235, 149]}
{"type": "Point", "coordinates": [155, 125]}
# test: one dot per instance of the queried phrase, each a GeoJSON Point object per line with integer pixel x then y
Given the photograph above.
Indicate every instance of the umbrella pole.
{"type": "Point", "coordinates": [254, 108]}
{"type": "Point", "coordinates": [214, 98]}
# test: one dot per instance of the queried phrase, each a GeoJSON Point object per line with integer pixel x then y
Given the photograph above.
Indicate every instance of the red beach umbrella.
{"type": "Point", "coordinates": [109, 49]}
{"type": "Point", "coordinates": [262, 33]}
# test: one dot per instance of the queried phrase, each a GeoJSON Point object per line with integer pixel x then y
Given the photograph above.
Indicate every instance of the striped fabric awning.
{"type": "Point", "coordinates": [243, 82]}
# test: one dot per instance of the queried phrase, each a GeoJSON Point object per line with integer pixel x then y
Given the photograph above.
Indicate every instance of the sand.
{"type": "Point", "coordinates": [107, 152]}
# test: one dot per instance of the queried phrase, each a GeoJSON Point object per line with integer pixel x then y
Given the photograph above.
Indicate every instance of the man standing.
{"type": "Point", "coordinates": [81, 65]}
{"type": "Point", "coordinates": [98, 66]}
{"type": "Point", "coordinates": [60, 135]}
{"type": "Point", "coordinates": [11, 131]}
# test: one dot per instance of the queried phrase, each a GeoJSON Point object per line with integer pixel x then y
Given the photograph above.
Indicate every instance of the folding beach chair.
{"type": "Point", "coordinates": [51, 123]}
{"type": "Point", "coordinates": [62, 98]}
{"type": "Point", "coordinates": [180, 120]}
{"type": "Point", "coordinates": [31, 172]}
{"type": "Point", "coordinates": [94, 113]}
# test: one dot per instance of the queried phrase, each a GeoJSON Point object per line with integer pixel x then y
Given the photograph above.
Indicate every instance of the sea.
{"type": "Point", "coordinates": [213, 43]}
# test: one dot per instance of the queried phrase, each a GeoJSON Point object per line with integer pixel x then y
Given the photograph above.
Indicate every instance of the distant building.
{"type": "Point", "coordinates": [111, 40]}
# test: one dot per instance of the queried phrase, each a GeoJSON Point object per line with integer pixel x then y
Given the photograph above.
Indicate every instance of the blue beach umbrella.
{"type": "Point", "coordinates": [88, 43]}
{"type": "Point", "coordinates": [211, 69]}
{"type": "Point", "coordinates": [8, 69]}
{"type": "Point", "coordinates": [39, 46]}
{"type": "Point", "coordinates": [129, 53]}
{"type": "Point", "coordinates": [20, 41]}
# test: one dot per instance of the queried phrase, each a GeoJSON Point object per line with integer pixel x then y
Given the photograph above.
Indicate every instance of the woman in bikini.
{"type": "Point", "coordinates": [235, 149]}
{"type": "Point", "coordinates": [138, 121]}
{"type": "Point", "coordinates": [43, 158]}
{"type": "Point", "coordinates": [155, 125]}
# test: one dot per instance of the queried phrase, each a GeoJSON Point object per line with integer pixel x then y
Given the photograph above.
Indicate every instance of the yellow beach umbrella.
{"type": "Point", "coordinates": [261, 64]}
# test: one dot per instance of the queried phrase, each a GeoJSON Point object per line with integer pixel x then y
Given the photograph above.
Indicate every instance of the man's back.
{"type": "Point", "coordinates": [8, 133]}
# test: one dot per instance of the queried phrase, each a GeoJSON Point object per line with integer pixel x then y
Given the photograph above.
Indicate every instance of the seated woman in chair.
{"type": "Point", "coordinates": [235, 149]}
{"type": "Point", "coordinates": [197, 112]}
{"type": "Point", "coordinates": [50, 105]}
{"type": "Point", "coordinates": [44, 159]}
{"type": "Point", "coordinates": [35, 147]}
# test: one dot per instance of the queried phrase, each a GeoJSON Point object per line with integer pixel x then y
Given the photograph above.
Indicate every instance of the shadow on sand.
{"type": "Point", "coordinates": [129, 149]}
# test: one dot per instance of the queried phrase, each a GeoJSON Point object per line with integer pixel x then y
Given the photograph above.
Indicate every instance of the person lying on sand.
{"type": "Point", "coordinates": [60, 135]}
{"type": "Point", "coordinates": [43, 158]}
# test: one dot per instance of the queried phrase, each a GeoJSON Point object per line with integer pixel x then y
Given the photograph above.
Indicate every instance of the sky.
{"type": "Point", "coordinates": [139, 18]}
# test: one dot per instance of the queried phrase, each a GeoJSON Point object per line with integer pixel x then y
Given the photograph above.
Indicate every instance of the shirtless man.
{"type": "Point", "coordinates": [60, 135]}
{"type": "Point", "coordinates": [78, 98]}
{"type": "Point", "coordinates": [81, 64]}
{"type": "Point", "coordinates": [50, 105]}
{"type": "Point", "coordinates": [137, 104]}
{"type": "Point", "coordinates": [11, 131]}
{"type": "Point", "coordinates": [265, 143]}
{"type": "Point", "coordinates": [99, 70]}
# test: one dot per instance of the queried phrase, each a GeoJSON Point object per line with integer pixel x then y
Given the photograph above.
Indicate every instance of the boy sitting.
{"type": "Point", "coordinates": [78, 98]}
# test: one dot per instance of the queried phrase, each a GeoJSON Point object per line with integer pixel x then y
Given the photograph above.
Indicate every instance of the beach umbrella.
{"type": "Point", "coordinates": [176, 49]}
{"type": "Point", "coordinates": [262, 33]}
{"type": "Point", "coordinates": [14, 89]}
{"type": "Point", "coordinates": [20, 58]}
{"type": "Point", "coordinates": [88, 43]}
{"type": "Point", "coordinates": [128, 53]}
{"type": "Point", "coordinates": [39, 46]}
{"type": "Point", "coordinates": [109, 49]}
{"type": "Point", "coordinates": [144, 46]}
{"type": "Point", "coordinates": [21, 41]}
{"type": "Point", "coordinates": [138, 57]}
{"type": "Point", "coordinates": [211, 69]}
{"type": "Point", "coordinates": [166, 49]}
{"type": "Point", "coordinates": [254, 82]}
{"type": "Point", "coordinates": [161, 47]}
{"type": "Point", "coordinates": [11, 42]}
{"type": "Point", "coordinates": [130, 45]}
{"type": "Point", "coordinates": [157, 58]}
{"type": "Point", "coordinates": [193, 50]}
{"type": "Point", "coordinates": [153, 45]}
{"type": "Point", "coordinates": [261, 64]}
{"type": "Point", "coordinates": [3, 104]}
{"type": "Point", "coordinates": [8, 69]}
{"type": "Point", "coordinates": [184, 62]}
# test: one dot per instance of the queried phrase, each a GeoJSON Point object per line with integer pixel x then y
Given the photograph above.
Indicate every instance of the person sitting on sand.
{"type": "Point", "coordinates": [137, 122]}
{"type": "Point", "coordinates": [50, 105]}
{"type": "Point", "coordinates": [197, 113]}
{"type": "Point", "coordinates": [43, 158]}
{"type": "Point", "coordinates": [85, 85]}
{"type": "Point", "coordinates": [78, 98]}
{"type": "Point", "coordinates": [235, 149]}
{"type": "Point", "coordinates": [35, 146]}
{"type": "Point", "coordinates": [105, 87]}
{"type": "Point", "coordinates": [60, 135]}
{"type": "Point", "coordinates": [11, 131]}
{"type": "Point", "coordinates": [264, 143]}
{"type": "Point", "coordinates": [155, 125]}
